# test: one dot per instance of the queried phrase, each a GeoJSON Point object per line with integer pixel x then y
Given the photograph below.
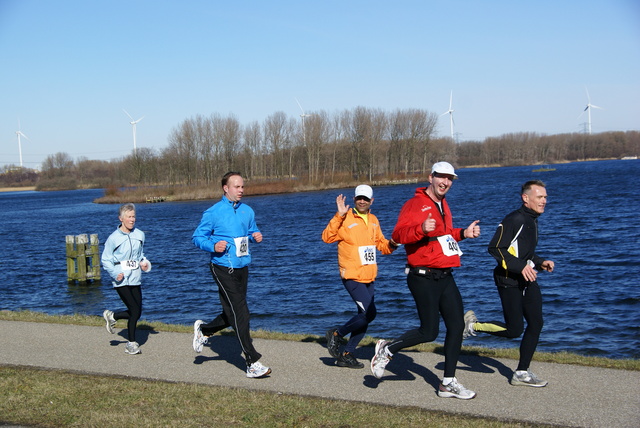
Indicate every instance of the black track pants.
{"type": "Point", "coordinates": [232, 289]}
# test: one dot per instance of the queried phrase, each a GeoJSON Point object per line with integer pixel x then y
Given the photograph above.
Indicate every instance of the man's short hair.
{"type": "Point", "coordinates": [527, 186]}
{"type": "Point", "coordinates": [225, 177]}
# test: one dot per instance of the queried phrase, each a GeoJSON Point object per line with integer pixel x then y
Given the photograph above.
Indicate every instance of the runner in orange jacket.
{"type": "Point", "coordinates": [358, 234]}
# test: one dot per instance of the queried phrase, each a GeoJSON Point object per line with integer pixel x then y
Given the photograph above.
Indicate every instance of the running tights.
{"type": "Point", "coordinates": [518, 303]}
{"type": "Point", "coordinates": [131, 296]}
{"type": "Point", "coordinates": [362, 295]}
{"type": "Point", "coordinates": [434, 298]}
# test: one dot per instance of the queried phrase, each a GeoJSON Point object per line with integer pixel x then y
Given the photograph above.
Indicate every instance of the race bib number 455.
{"type": "Point", "coordinates": [367, 254]}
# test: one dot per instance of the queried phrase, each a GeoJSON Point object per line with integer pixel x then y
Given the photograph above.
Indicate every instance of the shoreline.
{"type": "Point", "coordinates": [17, 189]}
{"type": "Point", "coordinates": [282, 186]}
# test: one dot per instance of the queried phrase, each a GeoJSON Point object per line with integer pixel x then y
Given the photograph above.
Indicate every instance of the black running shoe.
{"type": "Point", "coordinates": [348, 360]}
{"type": "Point", "coordinates": [333, 342]}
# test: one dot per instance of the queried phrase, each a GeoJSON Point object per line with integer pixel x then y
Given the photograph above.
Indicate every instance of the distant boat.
{"type": "Point", "coordinates": [630, 158]}
{"type": "Point", "coordinates": [543, 169]}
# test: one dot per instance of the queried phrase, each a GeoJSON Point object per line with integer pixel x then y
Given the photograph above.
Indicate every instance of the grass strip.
{"type": "Point", "coordinates": [53, 398]}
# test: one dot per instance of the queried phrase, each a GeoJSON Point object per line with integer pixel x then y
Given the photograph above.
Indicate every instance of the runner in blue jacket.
{"type": "Point", "coordinates": [226, 231]}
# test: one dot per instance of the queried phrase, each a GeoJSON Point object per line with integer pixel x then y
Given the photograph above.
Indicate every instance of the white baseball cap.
{"type": "Point", "coordinates": [443, 168]}
{"type": "Point", "coordinates": [364, 190]}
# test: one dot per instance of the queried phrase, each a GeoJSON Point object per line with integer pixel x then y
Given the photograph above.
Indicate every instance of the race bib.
{"type": "Point", "coordinates": [449, 246]}
{"type": "Point", "coordinates": [242, 246]}
{"type": "Point", "coordinates": [129, 265]}
{"type": "Point", "coordinates": [367, 254]}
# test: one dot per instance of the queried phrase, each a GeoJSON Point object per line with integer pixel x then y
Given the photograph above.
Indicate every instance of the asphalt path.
{"type": "Point", "coordinates": [576, 396]}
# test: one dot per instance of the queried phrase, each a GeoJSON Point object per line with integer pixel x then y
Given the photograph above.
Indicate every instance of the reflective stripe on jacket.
{"type": "Point", "coordinates": [351, 232]}
{"type": "Point", "coordinates": [523, 225]}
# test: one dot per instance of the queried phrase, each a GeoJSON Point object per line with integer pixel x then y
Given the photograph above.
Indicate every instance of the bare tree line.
{"type": "Point", "coordinates": [362, 143]}
{"type": "Point", "coordinates": [358, 144]}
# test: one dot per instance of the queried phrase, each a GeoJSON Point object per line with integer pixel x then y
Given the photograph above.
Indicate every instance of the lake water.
{"type": "Point", "coordinates": [590, 230]}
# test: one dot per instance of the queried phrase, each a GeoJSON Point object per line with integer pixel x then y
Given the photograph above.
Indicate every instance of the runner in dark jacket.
{"type": "Point", "coordinates": [513, 246]}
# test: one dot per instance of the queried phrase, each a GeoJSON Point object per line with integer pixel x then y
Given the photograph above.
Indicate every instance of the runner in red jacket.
{"type": "Point", "coordinates": [425, 228]}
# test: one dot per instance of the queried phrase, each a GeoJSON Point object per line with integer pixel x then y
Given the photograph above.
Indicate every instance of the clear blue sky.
{"type": "Point", "coordinates": [69, 67]}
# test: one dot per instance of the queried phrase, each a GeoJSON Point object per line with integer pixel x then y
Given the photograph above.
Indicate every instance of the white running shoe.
{"type": "Point", "coordinates": [527, 379]}
{"type": "Point", "coordinates": [469, 320]}
{"type": "Point", "coordinates": [111, 321]}
{"type": "Point", "coordinates": [380, 359]}
{"type": "Point", "coordinates": [132, 348]}
{"type": "Point", "coordinates": [198, 338]}
{"type": "Point", "coordinates": [455, 390]}
{"type": "Point", "coordinates": [256, 370]}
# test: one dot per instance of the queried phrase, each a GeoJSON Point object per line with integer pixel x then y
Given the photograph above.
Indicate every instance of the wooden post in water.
{"type": "Point", "coordinates": [95, 256]}
{"type": "Point", "coordinates": [71, 258]}
{"type": "Point", "coordinates": [83, 258]}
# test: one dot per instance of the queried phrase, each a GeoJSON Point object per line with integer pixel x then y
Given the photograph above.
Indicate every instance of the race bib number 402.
{"type": "Point", "coordinates": [449, 246]}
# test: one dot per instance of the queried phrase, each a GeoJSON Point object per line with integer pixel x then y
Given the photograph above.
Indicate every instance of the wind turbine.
{"type": "Point", "coordinates": [20, 134]}
{"type": "Point", "coordinates": [303, 115]}
{"type": "Point", "coordinates": [588, 109]}
{"type": "Point", "coordinates": [133, 124]}
{"type": "Point", "coordinates": [450, 111]}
